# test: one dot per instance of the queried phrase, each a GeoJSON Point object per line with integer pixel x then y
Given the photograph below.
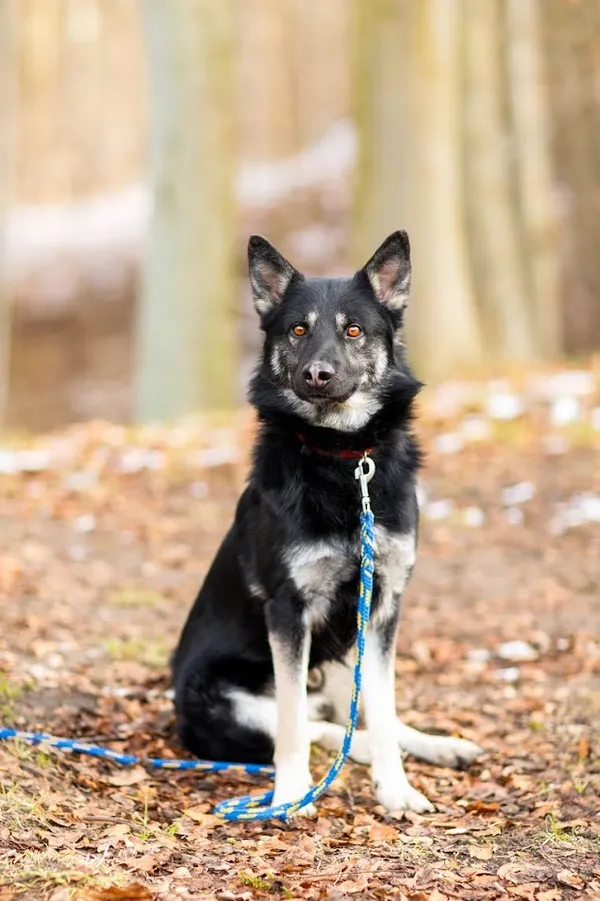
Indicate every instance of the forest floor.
{"type": "Point", "coordinates": [105, 534]}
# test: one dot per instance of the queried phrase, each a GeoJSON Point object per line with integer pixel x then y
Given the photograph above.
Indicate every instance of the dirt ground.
{"type": "Point", "coordinates": [105, 534]}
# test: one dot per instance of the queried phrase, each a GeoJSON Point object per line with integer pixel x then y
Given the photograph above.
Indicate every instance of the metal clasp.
{"type": "Point", "coordinates": [364, 472]}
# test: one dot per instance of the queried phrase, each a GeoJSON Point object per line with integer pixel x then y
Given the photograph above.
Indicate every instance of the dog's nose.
{"type": "Point", "coordinates": [316, 375]}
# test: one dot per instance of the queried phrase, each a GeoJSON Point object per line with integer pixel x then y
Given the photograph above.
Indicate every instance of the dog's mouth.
{"type": "Point", "coordinates": [333, 393]}
{"type": "Point", "coordinates": [319, 398]}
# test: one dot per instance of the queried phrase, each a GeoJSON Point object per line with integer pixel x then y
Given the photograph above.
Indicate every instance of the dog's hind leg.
{"type": "Point", "coordinates": [439, 750]}
{"type": "Point", "coordinates": [259, 713]}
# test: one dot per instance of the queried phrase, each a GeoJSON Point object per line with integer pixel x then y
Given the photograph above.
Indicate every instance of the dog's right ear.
{"type": "Point", "coordinates": [270, 274]}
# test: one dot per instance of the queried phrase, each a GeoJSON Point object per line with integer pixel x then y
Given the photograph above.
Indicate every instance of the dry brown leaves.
{"type": "Point", "coordinates": [104, 536]}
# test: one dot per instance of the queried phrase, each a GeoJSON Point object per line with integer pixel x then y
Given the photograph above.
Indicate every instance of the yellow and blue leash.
{"type": "Point", "coordinates": [258, 806]}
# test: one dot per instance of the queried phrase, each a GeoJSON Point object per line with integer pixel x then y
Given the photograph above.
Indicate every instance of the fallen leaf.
{"type": "Point", "coordinates": [483, 879]}
{"type": "Point", "coordinates": [231, 896]}
{"type": "Point", "coordinates": [118, 829]}
{"type": "Point", "coordinates": [572, 824]}
{"type": "Point", "coordinates": [482, 806]}
{"type": "Point", "coordinates": [570, 878]}
{"type": "Point", "coordinates": [323, 826]}
{"type": "Point", "coordinates": [512, 872]}
{"type": "Point", "coordinates": [181, 873]}
{"type": "Point", "coordinates": [198, 815]}
{"type": "Point", "coordinates": [147, 863]}
{"type": "Point", "coordinates": [61, 894]}
{"type": "Point", "coordinates": [363, 819]}
{"type": "Point", "coordinates": [526, 890]}
{"type": "Point", "coordinates": [379, 832]}
{"type": "Point", "coordinates": [133, 892]}
{"type": "Point", "coordinates": [131, 776]}
{"type": "Point", "coordinates": [542, 810]}
{"type": "Point", "coordinates": [481, 852]}
{"type": "Point", "coordinates": [351, 886]}
{"type": "Point", "coordinates": [434, 895]}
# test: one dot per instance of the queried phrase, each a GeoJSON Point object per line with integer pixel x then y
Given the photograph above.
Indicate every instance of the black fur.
{"type": "Point", "coordinates": [297, 492]}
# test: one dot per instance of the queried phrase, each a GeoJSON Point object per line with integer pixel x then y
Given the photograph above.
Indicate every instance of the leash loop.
{"type": "Point", "coordinates": [258, 806]}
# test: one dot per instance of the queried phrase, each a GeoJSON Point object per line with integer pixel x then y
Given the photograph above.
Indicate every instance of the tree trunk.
{"type": "Point", "coordinates": [8, 112]}
{"type": "Point", "coordinates": [535, 181]}
{"type": "Point", "coordinates": [318, 48]}
{"type": "Point", "coordinates": [381, 76]}
{"type": "Point", "coordinates": [409, 174]}
{"type": "Point", "coordinates": [446, 326]}
{"type": "Point", "coordinates": [570, 41]}
{"type": "Point", "coordinates": [187, 345]}
{"type": "Point", "coordinates": [265, 97]}
{"type": "Point", "coordinates": [490, 192]}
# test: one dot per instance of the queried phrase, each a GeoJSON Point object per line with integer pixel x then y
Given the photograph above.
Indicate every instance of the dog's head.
{"type": "Point", "coordinates": [331, 345]}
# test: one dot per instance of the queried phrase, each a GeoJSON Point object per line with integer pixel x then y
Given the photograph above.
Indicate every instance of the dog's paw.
{"type": "Point", "coordinates": [403, 797]}
{"type": "Point", "coordinates": [309, 811]}
{"type": "Point", "coordinates": [452, 752]}
{"type": "Point", "coordinates": [288, 791]}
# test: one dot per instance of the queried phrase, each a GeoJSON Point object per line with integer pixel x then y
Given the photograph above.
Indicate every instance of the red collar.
{"type": "Point", "coordinates": [343, 454]}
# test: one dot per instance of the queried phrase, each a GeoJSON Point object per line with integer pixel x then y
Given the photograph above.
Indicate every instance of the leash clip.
{"type": "Point", "coordinates": [364, 472]}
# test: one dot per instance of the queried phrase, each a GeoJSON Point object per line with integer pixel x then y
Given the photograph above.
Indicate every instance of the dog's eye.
{"type": "Point", "coordinates": [354, 331]}
{"type": "Point", "coordinates": [299, 331]}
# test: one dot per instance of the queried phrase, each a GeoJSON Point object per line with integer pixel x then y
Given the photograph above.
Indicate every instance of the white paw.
{"type": "Point", "coordinates": [402, 797]}
{"type": "Point", "coordinates": [309, 811]}
{"type": "Point", "coordinates": [452, 752]}
{"type": "Point", "coordinates": [288, 791]}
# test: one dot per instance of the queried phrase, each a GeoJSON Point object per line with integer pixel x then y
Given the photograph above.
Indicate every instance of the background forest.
{"type": "Point", "coordinates": [180, 127]}
{"type": "Point", "coordinates": [141, 143]}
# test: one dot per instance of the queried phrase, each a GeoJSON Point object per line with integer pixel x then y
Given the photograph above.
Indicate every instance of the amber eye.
{"type": "Point", "coordinates": [299, 331]}
{"type": "Point", "coordinates": [354, 331]}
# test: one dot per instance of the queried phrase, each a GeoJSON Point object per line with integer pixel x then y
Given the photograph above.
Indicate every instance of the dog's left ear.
{"type": "Point", "coordinates": [388, 271]}
{"type": "Point", "coordinates": [270, 274]}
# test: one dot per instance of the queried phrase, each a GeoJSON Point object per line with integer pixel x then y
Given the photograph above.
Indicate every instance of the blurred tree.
{"type": "Point", "coordinates": [187, 345]}
{"type": "Point", "coordinates": [318, 59]}
{"type": "Point", "coordinates": [572, 56]}
{"type": "Point", "coordinates": [8, 93]}
{"type": "Point", "coordinates": [529, 114]}
{"type": "Point", "coordinates": [446, 328]}
{"type": "Point", "coordinates": [381, 73]}
{"type": "Point", "coordinates": [452, 115]}
{"type": "Point", "coordinates": [407, 67]}
{"type": "Point", "coordinates": [266, 104]}
{"type": "Point", "coordinates": [491, 202]}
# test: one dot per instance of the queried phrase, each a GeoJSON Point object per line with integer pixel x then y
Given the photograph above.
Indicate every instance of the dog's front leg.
{"type": "Point", "coordinates": [392, 787]}
{"type": "Point", "coordinates": [289, 639]}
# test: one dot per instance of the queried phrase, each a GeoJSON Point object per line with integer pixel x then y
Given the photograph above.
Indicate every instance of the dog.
{"type": "Point", "coordinates": [279, 601]}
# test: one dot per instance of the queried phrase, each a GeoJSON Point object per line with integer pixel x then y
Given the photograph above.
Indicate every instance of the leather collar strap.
{"type": "Point", "coordinates": [341, 454]}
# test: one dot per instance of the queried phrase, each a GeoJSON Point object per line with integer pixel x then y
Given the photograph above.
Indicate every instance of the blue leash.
{"type": "Point", "coordinates": [258, 806]}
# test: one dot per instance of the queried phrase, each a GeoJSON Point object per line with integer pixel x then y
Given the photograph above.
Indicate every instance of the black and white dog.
{"type": "Point", "coordinates": [280, 597]}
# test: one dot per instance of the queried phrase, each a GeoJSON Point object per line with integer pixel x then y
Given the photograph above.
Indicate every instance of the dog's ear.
{"type": "Point", "coordinates": [270, 274]}
{"type": "Point", "coordinates": [388, 271]}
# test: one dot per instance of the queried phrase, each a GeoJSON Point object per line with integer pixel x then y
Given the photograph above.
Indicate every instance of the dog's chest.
{"type": "Point", "coordinates": [320, 568]}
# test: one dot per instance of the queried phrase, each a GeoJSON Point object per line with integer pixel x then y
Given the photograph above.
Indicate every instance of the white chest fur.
{"type": "Point", "coordinates": [318, 568]}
